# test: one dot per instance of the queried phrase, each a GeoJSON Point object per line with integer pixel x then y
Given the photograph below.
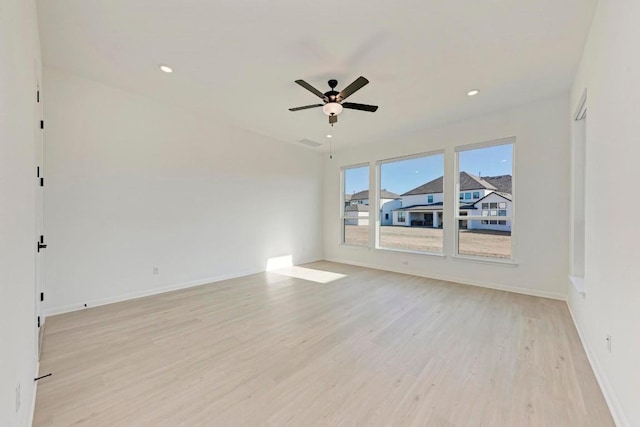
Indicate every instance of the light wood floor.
{"type": "Point", "coordinates": [372, 348]}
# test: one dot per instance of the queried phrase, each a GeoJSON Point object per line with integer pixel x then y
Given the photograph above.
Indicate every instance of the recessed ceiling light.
{"type": "Point", "coordinates": [473, 92]}
{"type": "Point", "coordinates": [329, 135]}
{"type": "Point", "coordinates": [166, 69]}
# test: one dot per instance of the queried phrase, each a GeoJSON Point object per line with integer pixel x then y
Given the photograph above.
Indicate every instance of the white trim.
{"type": "Point", "coordinates": [581, 109]}
{"type": "Point", "coordinates": [507, 288]}
{"type": "Point", "coordinates": [507, 262]}
{"type": "Point", "coordinates": [457, 218]}
{"type": "Point", "coordinates": [412, 156]}
{"type": "Point", "coordinates": [480, 217]}
{"type": "Point", "coordinates": [486, 144]}
{"type": "Point", "coordinates": [145, 293]}
{"type": "Point", "coordinates": [343, 193]}
{"type": "Point", "coordinates": [408, 251]}
{"type": "Point", "coordinates": [354, 166]}
{"type": "Point", "coordinates": [155, 291]}
{"type": "Point", "coordinates": [33, 398]}
{"type": "Point", "coordinates": [610, 397]}
{"type": "Point", "coordinates": [579, 284]}
{"type": "Point", "coordinates": [378, 182]}
{"type": "Point", "coordinates": [354, 246]}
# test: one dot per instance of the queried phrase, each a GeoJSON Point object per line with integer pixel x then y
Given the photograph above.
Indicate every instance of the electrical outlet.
{"type": "Point", "coordinates": [156, 270]}
{"type": "Point", "coordinates": [18, 397]}
{"type": "Point", "coordinates": [609, 342]}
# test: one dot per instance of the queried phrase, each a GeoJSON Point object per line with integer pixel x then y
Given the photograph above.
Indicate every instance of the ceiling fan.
{"type": "Point", "coordinates": [333, 101]}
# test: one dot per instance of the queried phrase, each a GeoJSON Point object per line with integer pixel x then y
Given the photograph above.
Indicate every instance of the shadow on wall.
{"type": "Point", "coordinates": [283, 265]}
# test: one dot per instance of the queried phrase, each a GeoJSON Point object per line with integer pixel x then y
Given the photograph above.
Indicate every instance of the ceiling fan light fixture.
{"type": "Point", "coordinates": [332, 108]}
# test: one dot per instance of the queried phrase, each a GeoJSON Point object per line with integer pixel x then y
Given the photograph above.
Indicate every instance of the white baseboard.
{"type": "Point", "coordinates": [153, 291]}
{"type": "Point", "coordinates": [610, 397]}
{"type": "Point", "coordinates": [514, 289]}
{"type": "Point", "coordinates": [32, 408]}
{"type": "Point", "coordinates": [145, 293]}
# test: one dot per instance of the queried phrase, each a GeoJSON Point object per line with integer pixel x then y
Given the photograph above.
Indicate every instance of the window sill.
{"type": "Point", "coordinates": [496, 261]}
{"type": "Point", "coordinates": [406, 251]}
{"type": "Point", "coordinates": [579, 284]}
{"type": "Point", "coordinates": [350, 246]}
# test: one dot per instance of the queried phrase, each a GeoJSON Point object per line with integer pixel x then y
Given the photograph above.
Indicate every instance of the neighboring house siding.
{"type": "Point", "coordinates": [386, 212]}
{"type": "Point", "coordinates": [357, 218]}
{"type": "Point", "coordinates": [421, 199]}
{"type": "Point", "coordinates": [478, 213]}
{"type": "Point", "coordinates": [396, 221]}
{"type": "Point", "coordinates": [472, 193]}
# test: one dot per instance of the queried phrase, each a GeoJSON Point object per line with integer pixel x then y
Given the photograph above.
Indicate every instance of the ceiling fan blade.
{"type": "Point", "coordinates": [305, 107]}
{"type": "Point", "coordinates": [310, 88]}
{"type": "Point", "coordinates": [361, 107]}
{"type": "Point", "coordinates": [356, 85]}
{"type": "Point", "coordinates": [333, 119]}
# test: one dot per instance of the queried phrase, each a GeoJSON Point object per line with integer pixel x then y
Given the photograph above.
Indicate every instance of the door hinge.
{"type": "Point", "coordinates": [38, 171]}
{"type": "Point", "coordinates": [41, 124]}
{"type": "Point", "coordinates": [41, 296]}
{"type": "Point", "coordinates": [41, 244]}
{"type": "Point", "coordinates": [38, 96]}
{"type": "Point", "coordinates": [38, 321]}
{"type": "Point", "coordinates": [41, 182]}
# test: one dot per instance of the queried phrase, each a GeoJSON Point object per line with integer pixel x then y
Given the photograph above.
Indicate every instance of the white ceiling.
{"type": "Point", "coordinates": [238, 59]}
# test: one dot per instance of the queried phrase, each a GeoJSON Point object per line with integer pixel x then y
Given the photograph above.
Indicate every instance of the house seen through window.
{"type": "Point", "coordinates": [411, 200]}
{"type": "Point", "coordinates": [484, 222]}
{"type": "Point", "coordinates": [355, 214]}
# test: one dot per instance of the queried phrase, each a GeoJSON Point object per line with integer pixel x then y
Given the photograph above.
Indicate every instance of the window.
{"type": "Point", "coordinates": [578, 192]}
{"type": "Point", "coordinates": [417, 184]}
{"type": "Point", "coordinates": [386, 216]}
{"type": "Point", "coordinates": [467, 196]}
{"type": "Point", "coordinates": [461, 196]}
{"type": "Point", "coordinates": [355, 217]}
{"type": "Point", "coordinates": [484, 229]}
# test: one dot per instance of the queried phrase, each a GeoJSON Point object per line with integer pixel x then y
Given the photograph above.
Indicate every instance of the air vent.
{"type": "Point", "coordinates": [309, 142]}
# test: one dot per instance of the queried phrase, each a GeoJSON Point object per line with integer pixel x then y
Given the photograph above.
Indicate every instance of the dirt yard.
{"type": "Point", "coordinates": [496, 244]}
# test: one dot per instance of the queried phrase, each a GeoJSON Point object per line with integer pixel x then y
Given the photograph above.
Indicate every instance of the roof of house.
{"type": "Point", "coordinates": [430, 187]}
{"type": "Point", "coordinates": [501, 182]}
{"type": "Point", "coordinates": [434, 206]}
{"type": "Point", "coordinates": [467, 182]}
{"type": "Point", "coordinates": [364, 195]}
{"type": "Point", "coordinates": [347, 197]}
{"type": "Point", "coordinates": [506, 196]}
{"type": "Point", "coordinates": [357, 208]}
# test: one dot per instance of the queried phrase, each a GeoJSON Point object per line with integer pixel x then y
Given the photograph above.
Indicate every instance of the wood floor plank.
{"type": "Point", "coordinates": [370, 348]}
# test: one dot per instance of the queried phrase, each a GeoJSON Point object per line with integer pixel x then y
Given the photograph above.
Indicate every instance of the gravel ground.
{"type": "Point", "coordinates": [496, 244]}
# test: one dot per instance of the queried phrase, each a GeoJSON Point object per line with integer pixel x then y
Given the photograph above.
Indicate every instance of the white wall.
{"type": "Point", "coordinates": [421, 199]}
{"type": "Point", "coordinates": [19, 59]}
{"type": "Point", "coordinates": [387, 208]}
{"type": "Point", "coordinates": [610, 71]}
{"type": "Point", "coordinates": [133, 184]}
{"type": "Point", "coordinates": [541, 173]}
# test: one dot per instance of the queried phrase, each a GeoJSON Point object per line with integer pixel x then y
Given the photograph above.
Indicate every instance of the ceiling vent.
{"type": "Point", "coordinates": [309, 143]}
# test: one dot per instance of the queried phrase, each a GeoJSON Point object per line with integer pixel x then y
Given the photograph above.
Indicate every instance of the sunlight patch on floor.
{"type": "Point", "coordinates": [318, 276]}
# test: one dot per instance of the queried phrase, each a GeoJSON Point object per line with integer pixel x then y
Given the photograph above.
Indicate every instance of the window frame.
{"type": "Point", "coordinates": [343, 216]}
{"type": "Point", "coordinates": [457, 217]}
{"type": "Point", "coordinates": [378, 206]}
